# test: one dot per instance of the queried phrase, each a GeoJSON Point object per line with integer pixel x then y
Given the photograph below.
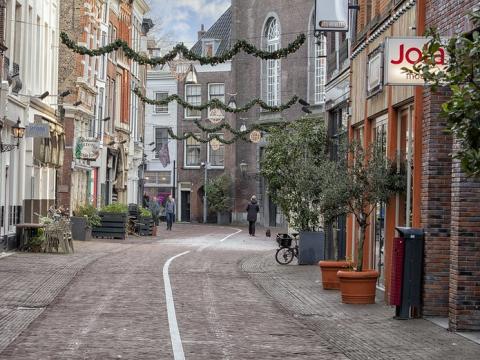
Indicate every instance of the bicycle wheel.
{"type": "Point", "coordinates": [284, 256]}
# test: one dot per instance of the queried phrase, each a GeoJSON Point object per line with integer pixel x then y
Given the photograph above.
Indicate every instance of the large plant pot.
{"type": "Point", "coordinates": [80, 229]}
{"type": "Point", "coordinates": [329, 271]}
{"type": "Point", "coordinates": [223, 218]}
{"type": "Point", "coordinates": [311, 247]}
{"type": "Point", "coordinates": [358, 287]}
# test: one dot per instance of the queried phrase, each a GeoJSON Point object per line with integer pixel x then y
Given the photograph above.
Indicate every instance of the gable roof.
{"type": "Point", "coordinates": [221, 30]}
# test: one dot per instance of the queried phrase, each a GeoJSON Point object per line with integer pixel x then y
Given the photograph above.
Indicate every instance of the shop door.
{"type": "Point", "coordinates": [185, 199]}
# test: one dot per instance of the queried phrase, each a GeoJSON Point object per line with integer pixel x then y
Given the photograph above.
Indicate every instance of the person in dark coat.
{"type": "Point", "coordinates": [252, 211]}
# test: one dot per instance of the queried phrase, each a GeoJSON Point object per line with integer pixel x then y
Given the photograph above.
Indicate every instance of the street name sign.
{"type": "Point", "coordinates": [331, 15]}
{"type": "Point", "coordinates": [37, 131]}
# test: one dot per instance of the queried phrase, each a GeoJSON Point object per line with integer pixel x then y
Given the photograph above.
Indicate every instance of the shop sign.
{"type": "Point", "coordinates": [405, 53]}
{"type": "Point", "coordinates": [331, 15]}
{"type": "Point", "coordinates": [37, 131]}
{"type": "Point", "coordinates": [87, 149]}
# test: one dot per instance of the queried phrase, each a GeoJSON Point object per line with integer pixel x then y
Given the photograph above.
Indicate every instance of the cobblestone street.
{"type": "Point", "coordinates": [107, 301]}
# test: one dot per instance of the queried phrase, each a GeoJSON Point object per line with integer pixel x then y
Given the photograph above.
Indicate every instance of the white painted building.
{"type": "Point", "coordinates": [28, 173]}
{"type": "Point", "coordinates": [137, 109]}
{"type": "Point", "coordinates": [161, 174]}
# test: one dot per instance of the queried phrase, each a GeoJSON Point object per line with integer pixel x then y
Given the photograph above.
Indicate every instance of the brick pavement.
{"type": "Point", "coordinates": [30, 282]}
{"type": "Point", "coordinates": [359, 332]}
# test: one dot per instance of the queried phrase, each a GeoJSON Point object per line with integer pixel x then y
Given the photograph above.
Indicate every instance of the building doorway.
{"type": "Point", "coordinates": [185, 206]}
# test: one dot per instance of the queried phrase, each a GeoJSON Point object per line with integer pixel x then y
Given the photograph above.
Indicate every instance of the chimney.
{"type": "Point", "coordinates": [201, 32]}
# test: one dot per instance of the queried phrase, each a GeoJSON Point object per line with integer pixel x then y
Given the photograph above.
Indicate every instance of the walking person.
{"type": "Point", "coordinates": [252, 211]}
{"type": "Point", "coordinates": [170, 211]}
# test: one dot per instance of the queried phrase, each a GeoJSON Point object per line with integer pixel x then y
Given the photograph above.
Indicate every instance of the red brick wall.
{"type": "Point", "coordinates": [435, 213]}
{"type": "Point", "coordinates": [450, 212]}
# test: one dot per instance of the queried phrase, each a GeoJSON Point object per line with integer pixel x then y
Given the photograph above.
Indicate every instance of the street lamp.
{"type": "Point", "coordinates": [191, 77]}
{"type": "Point", "coordinates": [18, 133]}
{"type": "Point", "coordinates": [232, 103]}
{"type": "Point", "coordinates": [243, 168]}
{"type": "Point", "coordinates": [205, 166]}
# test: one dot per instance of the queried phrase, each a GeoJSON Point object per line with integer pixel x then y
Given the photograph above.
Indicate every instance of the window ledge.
{"type": "Point", "coordinates": [192, 167]}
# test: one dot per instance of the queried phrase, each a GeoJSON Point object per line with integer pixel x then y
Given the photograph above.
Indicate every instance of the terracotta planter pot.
{"type": "Point", "coordinates": [358, 287]}
{"type": "Point", "coordinates": [329, 271]}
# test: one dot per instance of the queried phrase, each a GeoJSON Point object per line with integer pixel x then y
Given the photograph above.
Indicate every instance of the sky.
{"type": "Point", "coordinates": [180, 20]}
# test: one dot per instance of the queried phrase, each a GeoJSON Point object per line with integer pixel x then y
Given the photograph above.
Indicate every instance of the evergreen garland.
{"type": "Point", "coordinates": [184, 51]}
{"type": "Point", "coordinates": [210, 138]}
{"type": "Point", "coordinates": [216, 104]}
{"type": "Point", "coordinates": [260, 127]}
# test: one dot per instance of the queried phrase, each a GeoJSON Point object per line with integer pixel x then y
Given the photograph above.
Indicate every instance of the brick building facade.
{"type": "Point", "coordinates": [213, 82]}
{"type": "Point", "coordinates": [270, 25]}
{"type": "Point", "coordinates": [441, 199]}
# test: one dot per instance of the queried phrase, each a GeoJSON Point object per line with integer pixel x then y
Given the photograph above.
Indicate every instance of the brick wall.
{"type": "Point", "coordinates": [452, 270]}
{"type": "Point", "coordinates": [436, 197]}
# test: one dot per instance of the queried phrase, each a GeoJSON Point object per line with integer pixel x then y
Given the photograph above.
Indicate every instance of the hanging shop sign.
{"type": "Point", "coordinates": [405, 52]}
{"type": "Point", "coordinates": [331, 15]}
{"type": "Point", "coordinates": [37, 131]}
{"type": "Point", "coordinates": [87, 149]}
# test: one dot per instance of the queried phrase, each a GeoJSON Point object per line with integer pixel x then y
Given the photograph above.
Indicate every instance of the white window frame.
{"type": "Point", "coordinates": [272, 67]}
{"type": "Point", "coordinates": [208, 154]}
{"type": "Point", "coordinates": [209, 94]}
{"type": "Point", "coordinates": [320, 72]}
{"type": "Point", "coordinates": [186, 99]}
{"type": "Point", "coordinates": [155, 128]}
{"type": "Point", "coordinates": [156, 108]}
{"type": "Point", "coordinates": [185, 155]}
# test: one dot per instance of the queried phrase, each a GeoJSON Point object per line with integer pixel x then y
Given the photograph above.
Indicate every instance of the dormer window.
{"type": "Point", "coordinates": [210, 47]}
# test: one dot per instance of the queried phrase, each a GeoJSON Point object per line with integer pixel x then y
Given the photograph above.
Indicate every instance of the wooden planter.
{"type": "Point", "coordinates": [329, 271]}
{"type": "Point", "coordinates": [145, 227]}
{"type": "Point", "coordinates": [112, 225]}
{"type": "Point", "coordinates": [223, 218]}
{"type": "Point", "coordinates": [358, 287]}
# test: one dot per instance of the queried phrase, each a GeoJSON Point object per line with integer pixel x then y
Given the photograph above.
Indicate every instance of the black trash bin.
{"type": "Point", "coordinates": [411, 287]}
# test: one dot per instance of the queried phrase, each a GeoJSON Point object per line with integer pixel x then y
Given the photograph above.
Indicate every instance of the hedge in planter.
{"type": "Point", "coordinates": [219, 199]}
{"type": "Point", "coordinates": [113, 222]}
{"type": "Point", "coordinates": [84, 219]}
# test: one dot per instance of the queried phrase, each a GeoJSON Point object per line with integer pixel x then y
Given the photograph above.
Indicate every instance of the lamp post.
{"type": "Point", "coordinates": [205, 207]}
{"type": "Point", "coordinates": [18, 133]}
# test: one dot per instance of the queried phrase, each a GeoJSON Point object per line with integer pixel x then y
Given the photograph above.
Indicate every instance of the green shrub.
{"type": "Point", "coordinates": [219, 194]}
{"type": "Point", "coordinates": [91, 213]}
{"type": "Point", "coordinates": [115, 208]}
{"type": "Point", "coordinates": [145, 212]}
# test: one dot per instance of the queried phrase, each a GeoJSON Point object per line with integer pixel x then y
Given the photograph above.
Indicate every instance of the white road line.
{"type": "Point", "coordinates": [172, 317]}
{"type": "Point", "coordinates": [177, 346]}
{"type": "Point", "coordinates": [235, 233]}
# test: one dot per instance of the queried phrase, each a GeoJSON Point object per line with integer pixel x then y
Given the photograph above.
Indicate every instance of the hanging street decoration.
{"type": "Point", "coordinates": [217, 104]}
{"type": "Point", "coordinates": [215, 115]}
{"type": "Point", "coordinates": [182, 50]}
{"type": "Point", "coordinates": [198, 138]}
{"type": "Point", "coordinates": [215, 144]}
{"type": "Point", "coordinates": [255, 136]}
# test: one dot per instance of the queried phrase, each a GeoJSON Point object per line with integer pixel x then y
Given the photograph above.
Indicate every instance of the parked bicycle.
{"type": "Point", "coordinates": [286, 252]}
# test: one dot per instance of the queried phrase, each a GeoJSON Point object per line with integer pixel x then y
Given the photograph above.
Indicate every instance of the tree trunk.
{"type": "Point", "coordinates": [361, 242]}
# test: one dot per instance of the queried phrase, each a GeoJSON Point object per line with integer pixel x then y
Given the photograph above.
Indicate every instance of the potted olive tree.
{"type": "Point", "coordinates": [354, 187]}
{"type": "Point", "coordinates": [219, 198]}
{"type": "Point", "coordinates": [293, 167]}
{"type": "Point", "coordinates": [84, 219]}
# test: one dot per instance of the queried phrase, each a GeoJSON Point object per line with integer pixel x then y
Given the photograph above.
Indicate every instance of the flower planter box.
{"type": "Point", "coordinates": [358, 287]}
{"type": "Point", "coordinates": [311, 247]}
{"type": "Point", "coordinates": [145, 226]}
{"type": "Point", "coordinates": [329, 269]}
{"type": "Point", "coordinates": [80, 229]}
{"type": "Point", "coordinates": [112, 225]}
